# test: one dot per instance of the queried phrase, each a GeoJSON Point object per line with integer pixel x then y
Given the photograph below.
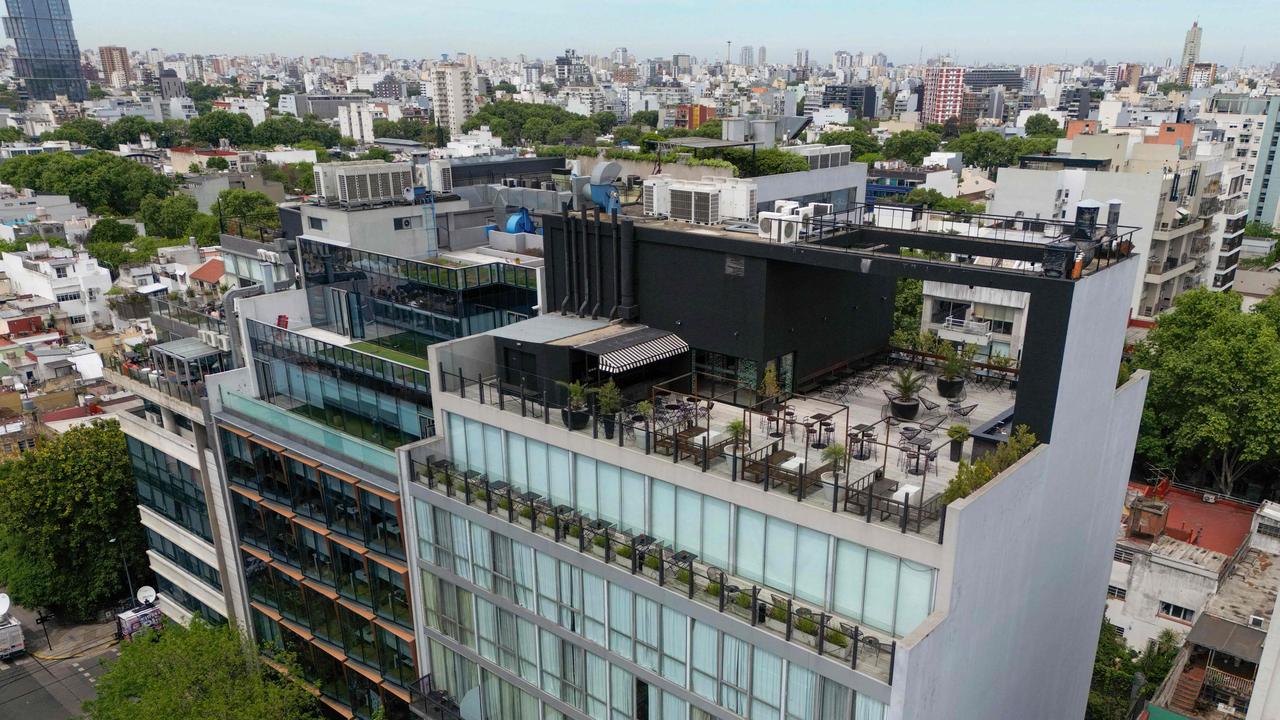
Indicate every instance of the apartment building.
{"type": "Point", "coordinates": [454, 99]}
{"type": "Point", "coordinates": [72, 279]}
{"type": "Point", "coordinates": [573, 565]}
{"type": "Point", "coordinates": [1251, 129]}
{"type": "Point", "coordinates": [944, 91]}
{"type": "Point", "coordinates": [115, 65]}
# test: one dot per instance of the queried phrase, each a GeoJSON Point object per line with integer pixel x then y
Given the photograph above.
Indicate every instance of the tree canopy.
{"type": "Point", "coordinates": [1115, 668]}
{"type": "Point", "coordinates": [212, 127]}
{"type": "Point", "coordinates": [1041, 125]}
{"type": "Point", "coordinates": [534, 124]}
{"type": "Point", "coordinates": [103, 183]}
{"type": "Point", "coordinates": [126, 130]}
{"type": "Point", "coordinates": [176, 217]}
{"type": "Point", "coordinates": [1213, 404]}
{"type": "Point", "coordinates": [111, 230]}
{"type": "Point", "coordinates": [859, 142]}
{"type": "Point", "coordinates": [296, 177]}
{"type": "Point", "coordinates": [645, 118]}
{"type": "Point", "coordinates": [289, 130]}
{"type": "Point", "coordinates": [414, 129]}
{"type": "Point", "coordinates": [911, 146]}
{"type": "Point", "coordinates": [990, 150]}
{"type": "Point", "coordinates": [201, 671]}
{"type": "Point", "coordinates": [938, 201]}
{"type": "Point", "coordinates": [60, 506]}
{"type": "Point", "coordinates": [247, 205]}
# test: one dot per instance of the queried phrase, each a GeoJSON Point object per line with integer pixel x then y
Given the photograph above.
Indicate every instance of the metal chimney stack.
{"type": "Point", "coordinates": [1113, 217]}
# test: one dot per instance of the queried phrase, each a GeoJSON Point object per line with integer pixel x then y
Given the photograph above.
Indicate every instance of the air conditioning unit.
{"type": "Point", "coordinates": [269, 256]}
{"type": "Point", "coordinates": [209, 337]}
{"type": "Point", "coordinates": [820, 209]}
{"type": "Point", "coordinates": [779, 227]}
{"type": "Point", "coordinates": [737, 197]}
{"type": "Point", "coordinates": [785, 207]}
{"type": "Point", "coordinates": [1257, 621]}
{"type": "Point", "coordinates": [510, 182]}
{"type": "Point", "coordinates": [1209, 498]}
{"type": "Point", "coordinates": [695, 203]}
{"type": "Point", "coordinates": [805, 216]}
{"type": "Point", "coordinates": [223, 343]}
{"type": "Point", "coordinates": [657, 195]}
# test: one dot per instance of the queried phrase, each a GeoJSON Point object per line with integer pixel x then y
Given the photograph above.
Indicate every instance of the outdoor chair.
{"type": "Point", "coordinates": [928, 404]}
{"type": "Point", "coordinates": [965, 411]}
{"type": "Point", "coordinates": [871, 643]}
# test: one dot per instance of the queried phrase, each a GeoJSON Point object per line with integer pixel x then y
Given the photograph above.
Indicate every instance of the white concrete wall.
{"type": "Point", "coordinates": [1029, 555]}
{"type": "Point", "coordinates": [1147, 582]}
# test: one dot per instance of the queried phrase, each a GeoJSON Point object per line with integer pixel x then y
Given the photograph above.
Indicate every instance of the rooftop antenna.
{"type": "Point", "coordinates": [728, 55]}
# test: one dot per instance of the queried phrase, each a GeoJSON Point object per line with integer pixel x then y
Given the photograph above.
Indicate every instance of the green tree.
{"type": "Point", "coordinates": [605, 121]}
{"type": "Point", "coordinates": [11, 134]}
{"type": "Point", "coordinates": [84, 131]}
{"type": "Point", "coordinates": [911, 146]}
{"type": "Point", "coordinates": [709, 129]}
{"type": "Point", "coordinates": [217, 163]}
{"type": "Point", "coordinates": [1170, 87]}
{"type": "Point", "coordinates": [60, 506]}
{"type": "Point", "coordinates": [1259, 229]}
{"type": "Point", "coordinates": [218, 125]}
{"type": "Point", "coordinates": [201, 671]}
{"type": "Point", "coordinates": [378, 153]}
{"type": "Point", "coordinates": [771, 161]}
{"type": "Point", "coordinates": [112, 231]}
{"type": "Point", "coordinates": [296, 177]}
{"type": "Point", "coordinates": [168, 217]}
{"type": "Point", "coordinates": [204, 228]}
{"type": "Point", "coordinates": [860, 143]}
{"type": "Point", "coordinates": [1213, 404]}
{"type": "Point", "coordinates": [505, 86]}
{"type": "Point", "coordinates": [938, 201]}
{"type": "Point", "coordinates": [987, 150]}
{"type": "Point", "coordinates": [104, 183]}
{"type": "Point", "coordinates": [1115, 669]}
{"type": "Point", "coordinates": [246, 205]}
{"type": "Point", "coordinates": [129, 130]}
{"type": "Point", "coordinates": [629, 134]}
{"type": "Point", "coordinates": [645, 118]}
{"type": "Point", "coordinates": [1040, 125]}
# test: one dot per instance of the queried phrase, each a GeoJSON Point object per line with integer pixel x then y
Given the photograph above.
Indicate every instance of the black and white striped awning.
{"type": "Point", "coordinates": [635, 349]}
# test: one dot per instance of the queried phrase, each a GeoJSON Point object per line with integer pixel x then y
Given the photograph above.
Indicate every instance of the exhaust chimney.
{"type": "Point", "coordinates": [1113, 217]}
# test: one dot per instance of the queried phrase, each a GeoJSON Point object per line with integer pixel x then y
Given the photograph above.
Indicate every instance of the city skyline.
{"type": "Point", "coordinates": [1054, 37]}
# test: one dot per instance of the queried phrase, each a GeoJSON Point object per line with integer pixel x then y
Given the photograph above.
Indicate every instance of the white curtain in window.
{"type": "Point", "coordinates": [663, 512]}
{"type": "Point", "coordinates": [634, 507]}
{"type": "Point", "coordinates": [780, 554]}
{"type": "Point", "coordinates": [882, 587]}
{"type": "Point", "coordinates": [561, 482]}
{"type": "Point", "coordinates": [620, 619]}
{"type": "Point", "coordinates": [811, 565]}
{"type": "Point", "coordinates": [517, 465]}
{"type": "Point", "coordinates": [481, 557]}
{"type": "Point", "coordinates": [750, 555]}
{"type": "Point", "coordinates": [493, 453]}
{"type": "Point", "coordinates": [648, 632]}
{"type": "Point", "coordinates": [622, 683]}
{"type": "Point", "coordinates": [426, 533]}
{"type": "Point", "coordinates": [593, 594]}
{"type": "Point", "coordinates": [802, 693]}
{"type": "Point", "coordinates": [528, 638]}
{"type": "Point", "coordinates": [715, 532]}
{"type": "Point", "coordinates": [461, 546]}
{"type": "Point", "coordinates": [475, 446]}
{"type": "Point", "coordinates": [915, 596]}
{"type": "Point", "coordinates": [735, 668]}
{"type": "Point", "coordinates": [584, 481]}
{"type": "Point", "coordinates": [522, 562]}
{"type": "Point", "coordinates": [675, 645]}
{"type": "Point", "coordinates": [766, 685]}
{"type": "Point", "coordinates": [609, 493]}
{"type": "Point", "coordinates": [705, 660]}
{"type": "Point", "coordinates": [597, 686]}
{"type": "Point", "coordinates": [868, 709]}
{"type": "Point", "coordinates": [550, 646]}
{"type": "Point", "coordinates": [458, 440]}
{"type": "Point", "coordinates": [537, 453]}
{"type": "Point", "coordinates": [487, 628]}
{"type": "Point", "coordinates": [688, 521]}
{"type": "Point", "coordinates": [851, 575]}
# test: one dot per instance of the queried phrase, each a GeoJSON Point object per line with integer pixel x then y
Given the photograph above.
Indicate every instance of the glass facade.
{"type": "Point", "coordinates": [864, 585]}
{"type": "Point", "coordinates": [188, 601]}
{"type": "Point", "coordinates": [323, 560]}
{"type": "Point", "coordinates": [170, 488]}
{"type": "Point", "coordinates": [362, 395]}
{"type": "Point", "coordinates": [183, 559]}
{"type": "Point", "coordinates": [408, 305]}
{"type": "Point", "coordinates": [48, 59]}
{"type": "Point", "coordinates": [600, 622]}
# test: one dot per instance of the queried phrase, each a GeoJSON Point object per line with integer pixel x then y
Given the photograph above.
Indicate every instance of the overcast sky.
{"type": "Point", "coordinates": [974, 31]}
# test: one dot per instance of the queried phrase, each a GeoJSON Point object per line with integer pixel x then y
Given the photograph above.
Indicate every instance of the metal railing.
{"type": "Point", "coordinates": [682, 435]}
{"type": "Point", "coordinates": [970, 327]}
{"type": "Point", "coordinates": [188, 391]}
{"type": "Point", "coordinates": [431, 702]}
{"type": "Point", "coordinates": [1228, 683]}
{"type": "Point", "coordinates": [839, 640]}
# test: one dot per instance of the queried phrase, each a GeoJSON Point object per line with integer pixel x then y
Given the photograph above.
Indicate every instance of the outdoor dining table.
{"type": "Point", "coordinates": [921, 443]}
{"type": "Point", "coordinates": [859, 429]}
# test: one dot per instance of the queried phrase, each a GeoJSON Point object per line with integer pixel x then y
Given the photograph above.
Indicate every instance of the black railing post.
{"type": "Point", "coordinates": [766, 475]}
{"type": "Point", "coordinates": [804, 473]}
{"type": "Point", "coordinates": [662, 569]}
{"type": "Point", "coordinates": [462, 384]}
{"type": "Point", "coordinates": [835, 490]}
{"type": "Point", "coordinates": [857, 640]}
{"type": "Point", "coordinates": [906, 512]}
{"type": "Point", "coordinates": [755, 605]}
{"type": "Point", "coordinates": [675, 447]}
{"type": "Point", "coordinates": [502, 397]}
{"type": "Point", "coordinates": [942, 523]}
{"type": "Point", "coordinates": [893, 653]}
{"type": "Point", "coordinates": [791, 617]}
{"type": "Point", "coordinates": [635, 558]}
{"type": "Point", "coordinates": [488, 496]}
{"type": "Point", "coordinates": [524, 412]}
{"type": "Point", "coordinates": [822, 632]}
{"type": "Point", "coordinates": [480, 384]}
{"type": "Point", "coordinates": [595, 421]}
{"type": "Point", "coordinates": [733, 465]}
{"type": "Point", "coordinates": [871, 498]}
{"type": "Point", "coordinates": [582, 535]}
{"type": "Point", "coordinates": [448, 483]}
{"type": "Point", "coordinates": [608, 546]}
{"type": "Point", "coordinates": [511, 507]}
{"type": "Point", "coordinates": [546, 409]}
{"type": "Point", "coordinates": [722, 591]}
{"type": "Point", "coordinates": [466, 489]}
{"type": "Point", "coordinates": [691, 583]}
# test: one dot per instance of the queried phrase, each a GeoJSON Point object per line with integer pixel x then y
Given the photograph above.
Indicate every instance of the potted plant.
{"type": "Point", "coordinates": [769, 388]}
{"type": "Point", "coordinates": [609, 398]}
{"type": "Point", "coordinates": [958, 434]}
{"type": "Point", "coordinates": [737, 430]}
{"type": "Point", "coordinates": [954, 369]}
{"type": "Point", "coordinates": [834, 455]}
{"type": "Point", "coordinates": [574, 414]}
{"type": "Point", "coordinates": [906, 385]}
{"type": "Point", "coordinates": [643, 414]}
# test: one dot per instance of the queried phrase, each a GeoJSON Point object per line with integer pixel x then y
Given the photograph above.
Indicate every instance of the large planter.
{"type": "Point", "coordinates": [610, 423]}
{"type": "Point", "coordinates": [957, 450]}
{"type": "Point", "coordinates": [575, 419]}
{"type": "Point", "coordinates": [904, 409]}
{"type": "Point", "coordinates": [950, 388]}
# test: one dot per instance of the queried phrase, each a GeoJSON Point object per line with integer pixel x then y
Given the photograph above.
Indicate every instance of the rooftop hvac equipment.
{"type": "Point", "coordinates": [805, 215]}
{"type": "Point", "coordinates": [696, 203]}
{"type": "Point", "coordinates": [820, 209]}
{"type": "Point", "coordinates": [779, 227]}
{"type": "Point", "coordinates": [822, 156]}
{"type": "Point", "coordinates": [363, 182]}
{"type": "Point", "coordinates": [786, 207]}
{"type": "Point", "coordinates": [436, 176]}
{"type": "Point", "coordinates": [737, 197]}
{"type": "Point", "coordinates": [764, 132]}
{"type": "Point", "coordinates": [657, 195]}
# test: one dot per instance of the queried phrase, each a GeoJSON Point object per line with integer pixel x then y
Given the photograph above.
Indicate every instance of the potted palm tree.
{"type": "Point", "coordinates": [834, 455]}
{"type": "Point", "coordinates": [574, 414]}
{"type": "Point", "coordinates": [958, 434]}
{"type": "Point", "coordinates": [609, 397]}
{"type": "Point", "coordinates": [737, 430]}
{"type": "Point", "coordinates": [954, 369]}
{"type": "Point", "coordinates": [906, 384]}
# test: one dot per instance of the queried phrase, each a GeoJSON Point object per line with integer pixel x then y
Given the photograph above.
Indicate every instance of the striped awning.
{"type": "Point", "coordinates": [633, 350]}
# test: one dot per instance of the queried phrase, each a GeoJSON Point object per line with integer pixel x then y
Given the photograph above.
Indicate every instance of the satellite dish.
{"type": "Point", "coordinates": [4, 605]}
{"type": "Point", "coordinates": [146, 594]}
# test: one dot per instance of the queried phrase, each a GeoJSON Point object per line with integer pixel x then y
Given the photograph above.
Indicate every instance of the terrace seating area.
{"type": "Point", "coordinates": [892, 471]}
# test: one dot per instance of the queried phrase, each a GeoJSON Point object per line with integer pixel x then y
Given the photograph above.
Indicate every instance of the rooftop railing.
{"type": "Point", "coordinates": [970, 327]}
{"type": "Point", "coordinates": [777, 451]}
{"type": "Point", "coordinates": [188, 390]}
{"type": "Point", "coordinates": [830, 636]}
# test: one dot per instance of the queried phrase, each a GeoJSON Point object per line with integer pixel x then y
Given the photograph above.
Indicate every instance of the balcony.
{"type": "Point", "coordinates": [837, 639]}
{"type": "Point", "coordinates": [696, 418]}
{"type": "Point", "coordinates": [965, 331]}
{"type": "Point", "coordinates": [175, 370]}
{"type": "Point", "coordinates": [1160, 272]}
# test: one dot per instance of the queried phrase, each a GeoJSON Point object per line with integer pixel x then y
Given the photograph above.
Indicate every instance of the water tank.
{"type": "Point", "coordinates": [1059, 257]}
{"type": "Point", "coordinates": [733, 129]}
{"type": "Point", "coordinates": [764, 132]}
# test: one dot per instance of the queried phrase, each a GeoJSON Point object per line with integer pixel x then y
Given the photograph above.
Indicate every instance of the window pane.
{"type": "Point", "coordinates": [780, 554]}
{"type": "Point", "coordinates": [811, 565]}
{"type": "Point", "coordinates": [882, 586]}
{"type": "Point", "coordinates": [750, 555]}
{"type": "Point", "coordinates": [915, 593]}
{"type": "Point", "coordinates": [851, 570]}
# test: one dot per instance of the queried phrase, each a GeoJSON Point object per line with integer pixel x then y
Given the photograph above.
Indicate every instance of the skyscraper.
{"type": "Point", "coordinates": [747, 56]}
{"type": "Point", "coordinates": [48, 61]}
{"type": "Point", "coordinates": [943, 92]}
{"type": "Point", "coordinates": [454, 98]}
{"type": "Point", "coordinates": [1191, 46]}
{"type": "Point", "coordinates": [802, 58]}
{"type": "Point", "coordinates": [115, 59]}
{"type": "Point", "coordinates": [760, 56]}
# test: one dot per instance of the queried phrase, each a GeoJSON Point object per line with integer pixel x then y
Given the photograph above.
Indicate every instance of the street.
{"type": "Point", "coordinates": [35, 689]}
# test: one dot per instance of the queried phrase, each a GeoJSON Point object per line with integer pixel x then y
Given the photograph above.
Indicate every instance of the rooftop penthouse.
{"type": "Point", "coordinates": [716, 367]}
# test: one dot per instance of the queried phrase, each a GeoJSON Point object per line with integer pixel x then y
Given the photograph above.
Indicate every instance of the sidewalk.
{"type": "Point", "coordinates": [64, 640]}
